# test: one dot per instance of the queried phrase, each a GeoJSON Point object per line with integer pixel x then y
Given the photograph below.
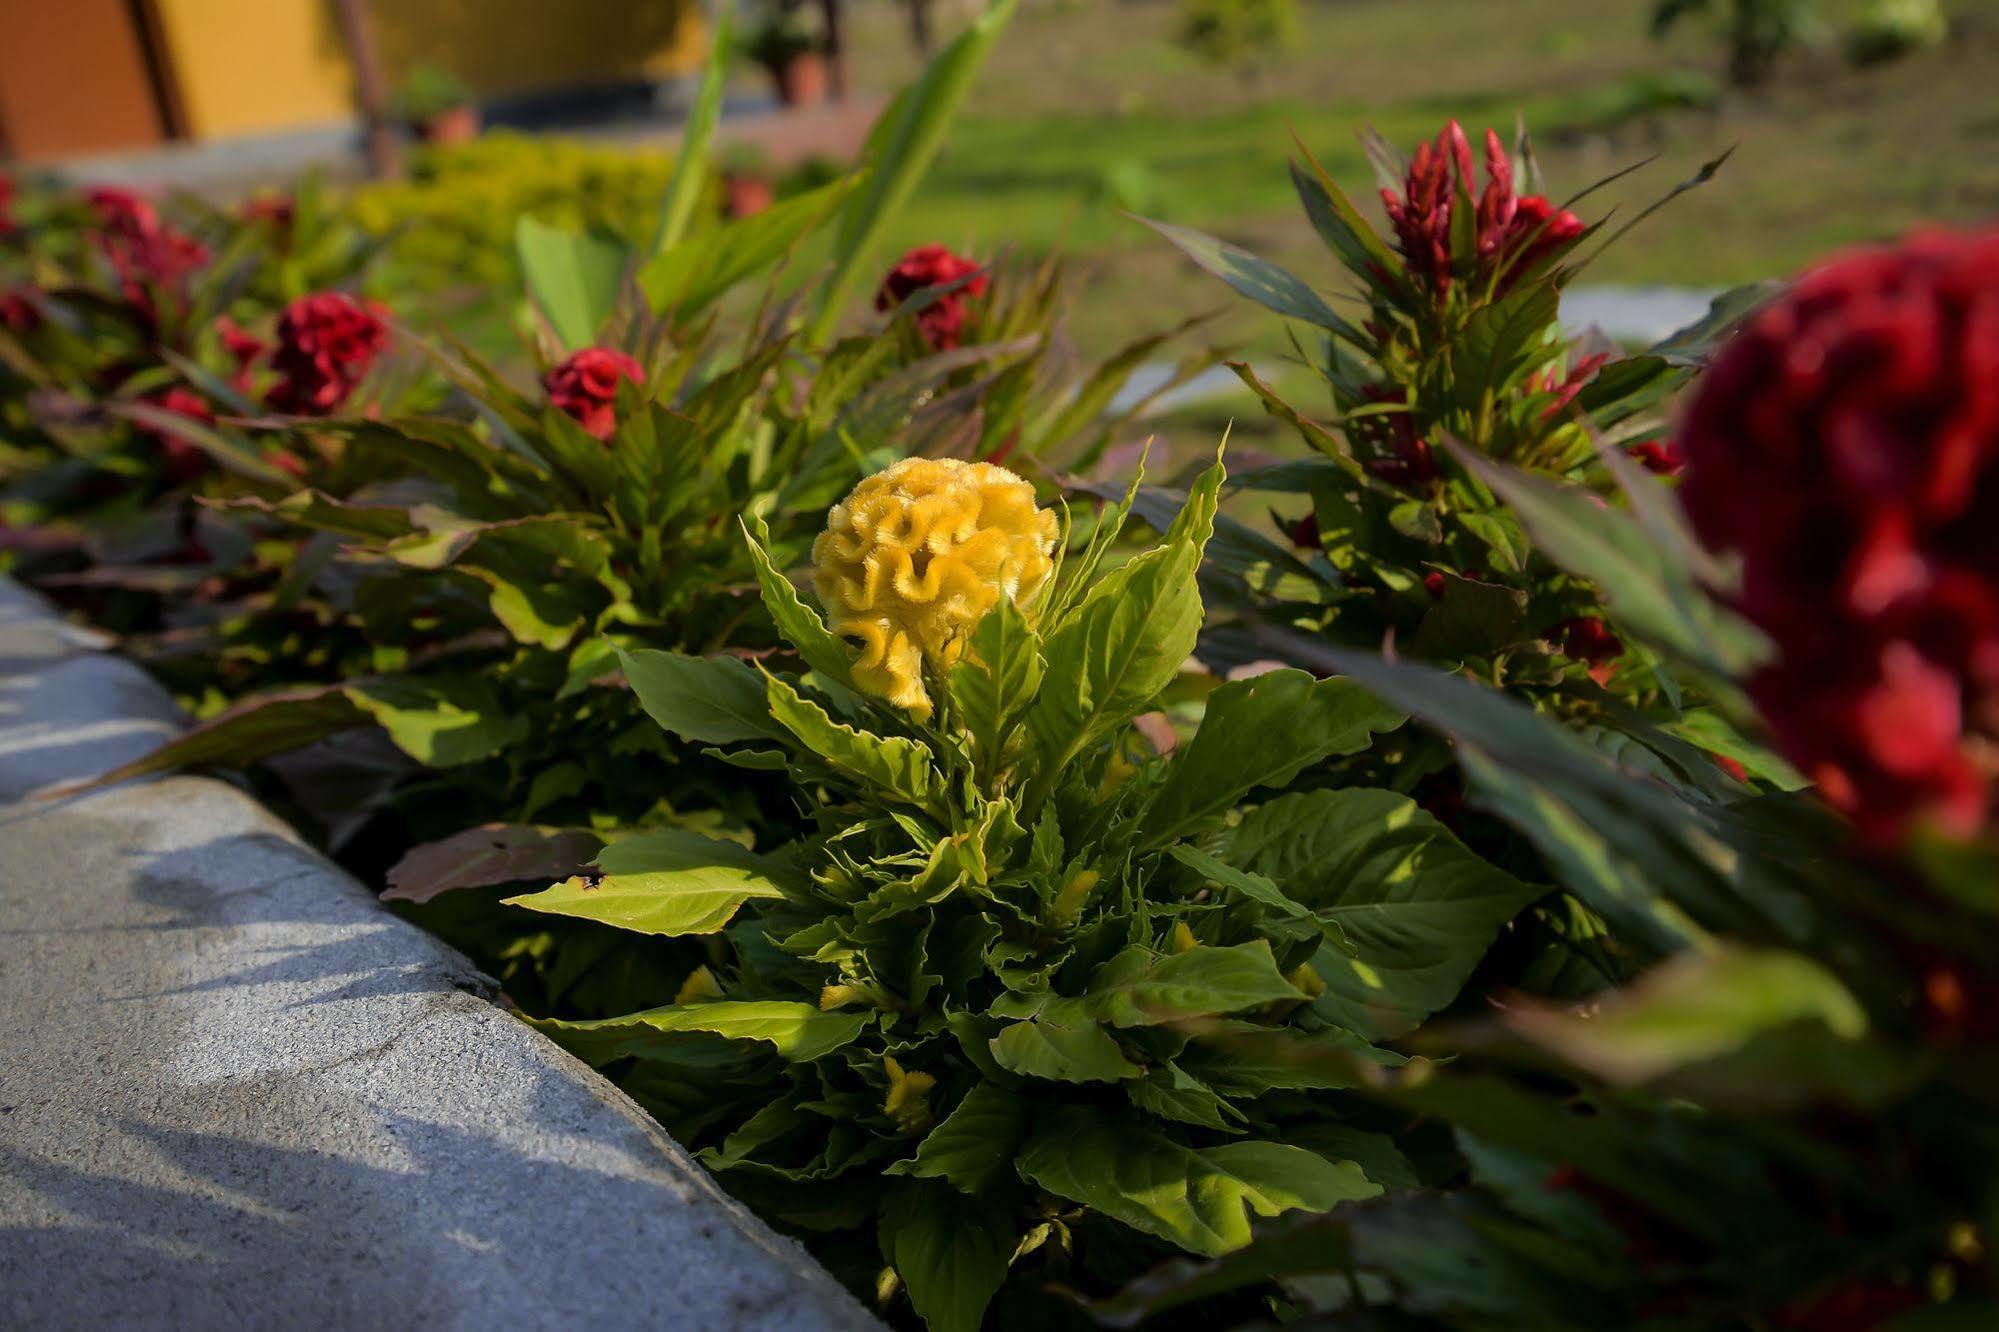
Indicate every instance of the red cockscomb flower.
{"type": "Point", "coordinates": [1846, 444]}
{"type": "Point", "coordinates": [325, 346]}
{"type": "Point", "coordinates": [942, 322]}
{"type": "Point", "coordinates": [585, 387]}
{"type": "Point", "coordinates": [146, 254]}
{"type": "Point", "coordinates": [1589, 640]}
{"type": "Point", "coordinates": [1512, 233]}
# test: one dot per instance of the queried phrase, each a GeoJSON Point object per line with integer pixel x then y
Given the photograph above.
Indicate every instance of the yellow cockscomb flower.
{"type": "Point", "coordinates": [914, 558]}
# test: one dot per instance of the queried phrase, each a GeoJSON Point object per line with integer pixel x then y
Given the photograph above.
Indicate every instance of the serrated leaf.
{"type": "Point", "coordinates": [1257, 732]}
{"type": "Point", "coordinates": [800, 625]}
{"type": "Point", "coordinates": [1420, 909]}
{"type": "Point", "coordinates": [670, 882]}
{"type": "Point", "coordinates": [1078, 1052]}
{"type": "Point", "coordinates": [896, 765]}
{"type": "Point", "coordinates": [1200, 1200]}
{"type": "Point", "coordinates": [711, 700]}
{"type": "Point", "coordinates": [995, 681]}
{"type": "Point", "coordinates": [1127, 639]}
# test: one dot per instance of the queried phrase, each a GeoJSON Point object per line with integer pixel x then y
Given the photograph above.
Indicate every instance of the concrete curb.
{"type": "Point", "coordinates": [235, 1092]}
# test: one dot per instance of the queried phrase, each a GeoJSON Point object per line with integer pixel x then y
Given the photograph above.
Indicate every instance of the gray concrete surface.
{"type": "Point", "coordinates": [234, 1092]}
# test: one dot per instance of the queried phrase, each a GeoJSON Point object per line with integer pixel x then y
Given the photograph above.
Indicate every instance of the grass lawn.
{"type": "Point", "coordinates": [1087, 109]}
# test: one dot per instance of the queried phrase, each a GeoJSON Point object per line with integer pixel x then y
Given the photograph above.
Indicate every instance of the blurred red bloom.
{"type": "Point", "coordinates": [19, 314]}
{"type": "Point", "coordinates": [243, 347]}
{"type": "Point", "coordinates": [942, 322]}
{"type": "Point", "coordinates": [147, 255]}
{"type": "Point", "coordinates": [325, 346]}
{"type": "Point", "coordinates": [1846, 444]}
{"type": "Point", "coordinates": [184, 461]}
{"type": "Point", "coordinates": [1588, 639]}
{"type": "Point", "coordinates": [1512, 233]}
{"type": "Point", "coordinates": [277, 209]}
{"type": "Point", "coordinates": [7, 223]}
{"type": "Point", "coordinates": [585, 387]}
{"type": "Point", "coordinates": [1660, 456]}
{"type": "Point", "coordinates": [1390, 447]}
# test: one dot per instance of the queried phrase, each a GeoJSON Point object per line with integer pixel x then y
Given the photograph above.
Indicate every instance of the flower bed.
{"type": "Point", "coordinates": [1384, 876]}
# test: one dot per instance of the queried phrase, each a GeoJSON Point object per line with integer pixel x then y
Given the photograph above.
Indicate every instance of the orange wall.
{"type": "Point", "coordinates": [251, 66]}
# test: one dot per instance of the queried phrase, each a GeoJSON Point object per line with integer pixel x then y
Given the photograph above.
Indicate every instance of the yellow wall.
{"type": "Point", "coordinates": [251, 66]}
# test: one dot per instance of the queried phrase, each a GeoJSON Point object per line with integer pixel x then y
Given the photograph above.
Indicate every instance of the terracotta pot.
{"type": "Point", "coordinates": [459, 124]}
{"type": "Point", "coordinates": [746, 195]}
{"type": "Point", "coordinates": [801, 80]}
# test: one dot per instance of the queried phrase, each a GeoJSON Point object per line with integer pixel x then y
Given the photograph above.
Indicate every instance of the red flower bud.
{"type": "Point", "coordinates": [1513, 234]}
{"type": "Point", "coordinates": [1845, 443]}
{"type": "Point", "coordinates": [585, 387]}
{"type": "Point", "coordinates": [1433, 583]}
{"type": "Point", "coordinates": [942, 322]}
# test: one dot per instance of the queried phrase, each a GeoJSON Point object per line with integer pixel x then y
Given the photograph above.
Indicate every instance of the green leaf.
{"type": "Point", "coordinates": [690, 167]}
{"type": "Point", "coordinates": [951, 1251]}
{"type": "Point", "coordinates": [439, 723]}
{"type": "Point", "coordinates": [490, 854]}
{"type": "Point", "coordinates": [898, 152]}
{"type": "Point", "coordinates": [1614, 840]}
{"type": "Point", "coordinates": [1199, 1200]}
{"type": "Point", "coordinates": [1646, 589]}
{"type": "Point", "coordinates": [1081, 1052]}
{"type": "Point", "coordinates": [1127, 639]}
{"type": "Point", "coordinates": [1262, 731]}
{"type": "Point", "coordinates": [1472, 619]}
{"type": "Point", "coordinates": [1502, 340]}
{"type": "Point", "coordinates": [1692, 344]}
{"type": "Point", "coordinates": [1696, 1006]}
{"type": "Point", "coordinates": [1205, 981]}
{"type": "Point", "coordinates": [1244, 1059]}
{"type": "Point", "coordinates": [974, 1145]}
{"type": "Point", "coordinates": [572, 276]}
{"type": "Point", "coordinates": [995, 681]}
{"type": "Point", "coordinates": [691, 276]}
{"type": "Point", "coordinates": [1257, 889]}
{"type": "Point", "coordinates": [667, 882]}
{"type": "Point", "coordinates": [1260, 280]}
{"type": "Point", "coordinates": [1420, 909]}
{"type": "Point", "coordinates": [712, 700]}
{"type": "Point", "coordinates": [800, 625]}
{"type": "Point", "coordinates": [253, 728]}
{"type": "Point", "coordinates": [897, 765]}
{"type": "Point", "coordinates": [798, 1032]}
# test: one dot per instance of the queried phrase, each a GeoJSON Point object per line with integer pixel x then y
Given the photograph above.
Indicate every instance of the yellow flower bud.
{"type": "Point", "coordinates": [1308, 980]}
{"type": "Point", "coordinates": [1183, 940]}
{"type": "Point", "coordinates": [1074, 895]}
{"type": "Point", "coordinates": [699, 985]}
{"type": "Point", "coordinates": [908, 1101]}
{"type": "Point", "coordinates": [916, 555]}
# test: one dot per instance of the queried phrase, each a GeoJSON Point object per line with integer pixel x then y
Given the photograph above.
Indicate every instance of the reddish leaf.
{"type": "Point", "coordinates": [489, 854]}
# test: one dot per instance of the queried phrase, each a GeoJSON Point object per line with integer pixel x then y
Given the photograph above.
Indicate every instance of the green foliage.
{"type": "Point", "coordinates": [1238, 32]}
{"type": "Point", "coordinates": [428, 91]}
{"type": "Point", "coordinates": [1049, 941]}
